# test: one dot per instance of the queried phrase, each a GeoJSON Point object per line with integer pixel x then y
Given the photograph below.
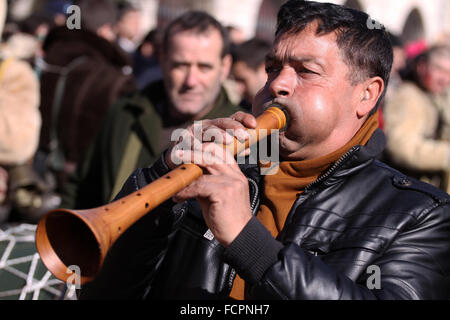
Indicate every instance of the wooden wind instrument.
{"type": "Point", "coordinates": [82, 238]}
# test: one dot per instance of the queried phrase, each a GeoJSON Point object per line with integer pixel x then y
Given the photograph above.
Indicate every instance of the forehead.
{"type": "Point", "coordinates": [307, 46]}
{"type": "Point", "coordinates": [207, 44]}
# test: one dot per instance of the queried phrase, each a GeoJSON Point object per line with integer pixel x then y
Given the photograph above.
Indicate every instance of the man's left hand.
{"type": "Point", "coordinates": [223, 193]}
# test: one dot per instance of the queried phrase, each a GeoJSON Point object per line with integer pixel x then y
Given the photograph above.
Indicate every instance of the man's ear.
{"type": "Point", "coordinates": [227, 61]}
{"type": "Point", "coordinates": [371, 91]}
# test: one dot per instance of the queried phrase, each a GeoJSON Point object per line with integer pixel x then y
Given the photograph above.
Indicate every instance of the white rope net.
{"type": "Point", "coordinates": [23, 276]}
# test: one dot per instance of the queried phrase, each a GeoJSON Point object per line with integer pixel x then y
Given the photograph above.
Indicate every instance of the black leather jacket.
{"type": "Point", "coordinates": [361, 231]}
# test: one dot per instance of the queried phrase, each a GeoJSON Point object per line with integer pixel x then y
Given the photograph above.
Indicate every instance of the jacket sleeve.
{"type": "Point", "coordinates": [131, 263]}
{"type": "Point", "coordinates": [414, 266]}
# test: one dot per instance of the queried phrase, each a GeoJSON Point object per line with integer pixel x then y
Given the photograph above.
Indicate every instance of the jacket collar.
{"type": "Point", "coordinates": [354, 160]}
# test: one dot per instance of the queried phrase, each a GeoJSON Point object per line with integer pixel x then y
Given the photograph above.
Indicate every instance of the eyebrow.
{"type": "Point", "coordinates": [270, 57]}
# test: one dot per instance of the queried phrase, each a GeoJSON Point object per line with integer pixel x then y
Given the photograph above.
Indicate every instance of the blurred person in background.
{"type": "Point", "coordinates": [26, 42]}
{"type": "Point", "coordinates": [236, 35]}
{"type": "Point", "coordinates": [146, 68]}
{"type": "Point", "coordinates": [398, 67]}
{"type": "Point", "coordinates": [23, 197]}
{"type": "Point", "coordinates": [195, 61]}
{"type": "Point", "coordinates": [83, 74]}
{"type": "Point", "coordinates": [415, 119]}
{"type": "Point", "coordinates": [37, 25]}
{"type": "Point", "coordinates": [56, 11]}
{"type": "Point", "coordinates": [248, 70]}
{"type": "Point", "coordinates": [128, 27]}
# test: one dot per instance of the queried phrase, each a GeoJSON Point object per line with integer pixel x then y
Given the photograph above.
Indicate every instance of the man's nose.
{"type": "Point", "coordinates": [192, 77]}
{"type": "Point", "coordinates": [283, 84]}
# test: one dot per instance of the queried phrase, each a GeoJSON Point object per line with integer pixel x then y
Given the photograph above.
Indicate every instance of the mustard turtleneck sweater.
{"type": "Point", "coordinates": [281, 189]}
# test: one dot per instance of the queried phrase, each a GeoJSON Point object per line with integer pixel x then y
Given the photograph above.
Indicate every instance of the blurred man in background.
{"type": "Point", "coordinates": [128, 27]}
{"type": "Point", "coordinates": [236, 35]}
{"type": "Point", "coordinates": [84, 74]}
{"type": "Point", "coordinates": [248, 68]}
{"type": "Point", "coordinates": [195, 61]}
{"type": "Point", "coordinates": [415, 119]}
{"type": "Point", "coordinates": [146, 68]}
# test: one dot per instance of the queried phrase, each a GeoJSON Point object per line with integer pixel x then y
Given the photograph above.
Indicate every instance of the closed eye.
{"type": "Point", "coordinates": [305, 70]}
{"type": "Point", "coordinates": [205, 67]}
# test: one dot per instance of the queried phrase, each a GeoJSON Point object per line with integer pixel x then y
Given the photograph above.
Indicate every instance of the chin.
{"type": "Point", "coordinates": [188, 108]}
{"type": "Point", "coordinates": [289, 150]}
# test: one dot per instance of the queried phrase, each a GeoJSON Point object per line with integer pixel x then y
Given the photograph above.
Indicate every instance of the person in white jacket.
{"type": "Point", "coordinates": [20, 126]}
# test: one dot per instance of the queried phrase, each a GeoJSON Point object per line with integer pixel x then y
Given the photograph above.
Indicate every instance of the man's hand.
{"type": "Point", "coordinates": [223, 192]}
{"type": "Point", "coordinates": [223, 131]}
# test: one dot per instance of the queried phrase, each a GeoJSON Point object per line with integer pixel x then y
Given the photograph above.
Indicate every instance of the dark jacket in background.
{"type": "Point", "coordinates": [358, 218]}
{"type": "Point", "coordinates": [141, 114]}
{"type": "Point", "coordinates": [96, 76]}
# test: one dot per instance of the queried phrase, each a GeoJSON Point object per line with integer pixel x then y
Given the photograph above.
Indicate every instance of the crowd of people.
{"type": "Point", "coordinates": [81, 110]}
{"type": "Point", "coordinates": [76, 77]}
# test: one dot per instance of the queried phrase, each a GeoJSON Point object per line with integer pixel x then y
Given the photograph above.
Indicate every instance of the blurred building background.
{"type": "Point", "coordinates": [411, 19]}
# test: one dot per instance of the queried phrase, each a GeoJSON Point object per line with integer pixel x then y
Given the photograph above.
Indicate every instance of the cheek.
{"type": "Point", "coordinates": [210, 86]}
{"type": "Point", "coordinates": [316, 116]}
{"type": "Point", "coordinates": [172, 79]}
{"type": "Point", "coordinates": [315, 109]}
{"type": "Point", "coordinates": [211, 79]}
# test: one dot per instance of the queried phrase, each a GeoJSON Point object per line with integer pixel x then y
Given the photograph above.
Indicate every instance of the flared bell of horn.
{"type": "Point", "coordinates": [65, 239]}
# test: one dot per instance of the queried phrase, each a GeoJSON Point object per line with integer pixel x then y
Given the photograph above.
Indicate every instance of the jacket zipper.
{"type": "Point", "coordinates": [330, 171]}
{"type": "Point", "coordinates": [322, 178]}
{"type": "Point", "coordinates": [254, 202]}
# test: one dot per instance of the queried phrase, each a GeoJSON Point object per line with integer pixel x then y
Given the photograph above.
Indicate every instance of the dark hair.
{"type": "Point", "coordinates": [199, 22]}
{"type": "Point", "coordinates": [30, 24]}
{"type": "Point", "coordinates": [364, 43]}
{"type": "Point", "coordinates": [124, 7]}
{"type": "Point", "coordinates": [252, 52]}
{"type": "Point", "coordinates": [95, 14]}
